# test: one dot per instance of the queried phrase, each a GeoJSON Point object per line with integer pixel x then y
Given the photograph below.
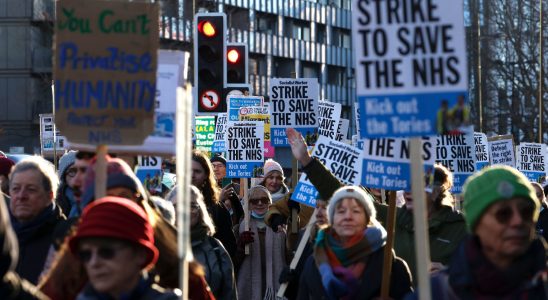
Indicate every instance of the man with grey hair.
{"type": "Point", "coordinates": [33, 213]}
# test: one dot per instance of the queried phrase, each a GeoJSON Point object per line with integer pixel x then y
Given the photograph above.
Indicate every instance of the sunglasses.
{"type": "Point", "coordinates": [104, 252]}
{"type": "Point", "coordinates": [256, 201]}
{"type": "Point", "coordinates": [504, 214]}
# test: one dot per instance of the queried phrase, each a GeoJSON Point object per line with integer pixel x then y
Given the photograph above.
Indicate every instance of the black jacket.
{"type": "Point", "coordinates": [223, 227]}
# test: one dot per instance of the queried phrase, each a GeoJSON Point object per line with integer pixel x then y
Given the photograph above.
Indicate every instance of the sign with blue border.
{"type": "Point", "coordinates": [458, 154]}
{"type": "Point", "coordinates": [531, 160]}
{"type": "Point", "coordinates": [245, 153]}
{"type": "Point", "coordinates": [482, 150]}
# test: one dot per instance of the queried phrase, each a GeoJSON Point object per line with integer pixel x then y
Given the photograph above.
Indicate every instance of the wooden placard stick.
{"type": "Point", "coordinates": [101, 171]}
{"type": "Point", "coordinates": [244, 186]}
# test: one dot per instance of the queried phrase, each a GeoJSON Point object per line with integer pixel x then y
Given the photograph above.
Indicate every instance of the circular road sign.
{"type": "Point", "coordinates": [210, 100]}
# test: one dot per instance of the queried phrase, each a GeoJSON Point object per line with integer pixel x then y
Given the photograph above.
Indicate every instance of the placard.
{"type": "Point", "coordinates": [205, 132]}
{"type": "Point", "coordinates": [293, 104]}
{"type": "Point", "coordinates": [531, 160]}
{"type": "Point", "coordinates": [329, 114]}
{"type": "Point", "coordinates": [411, 72]}
{"type": "Point", "coordinates": [482, 150]}
{"type": "Point", "coordinates": [260, 114]}
{"type": "Point", "coordinates": [47, 129]}
{"type": "Point", "coordinates": [105, 70]}
{"type": "Point", "coordinates": [501, 149]}
{"type": "Point", "coordinates": [458, 154]}
{"type": "Point", "coordinates": [342, 130]}
{"type": "Point", "coordinates": [244, 155]}
{"type": "Point", "coordinates": [150, 173]}
{"type": "Point", "coordinates": [219, 142]}
{"type": "Point", "coordinates": [235, 102]}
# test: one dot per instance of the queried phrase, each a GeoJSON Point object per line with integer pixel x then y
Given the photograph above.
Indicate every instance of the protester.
{"type": "Point", "coordinates": [11, 285]}
{"type": "Point", "coordinates": [274, 180]}
{"type": "Point", "coordinates": [501, 258]}
{"type": "Point", "coordinates": [115, 242]}
{"type": "Point", "coordinates": [218, 162]}
{"type": "Point", "coordinates": [204, 180]}
{"type": "Point", "coordinates": [33, 213]}
{"type": "Point", "coordinates": [208, 251]}
{"type": "Point", "coordinates": [258, 272]}
{"type": "Point", "coordinates": [348, 254]}
{"type": "Point", "coordinates": [65, 194]}
{"type": "Point", "coordinates": [5, 168]}
{"type": "Point", "coordinates": [80, 166]}
{"type": "Point", "coordinates": [542, 223]}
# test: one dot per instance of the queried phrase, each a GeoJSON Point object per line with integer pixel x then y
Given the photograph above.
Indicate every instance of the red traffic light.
{"type": "Point", "coordinates": [233, 56]}
{"type": "Point", "coordinates": [207, 28]}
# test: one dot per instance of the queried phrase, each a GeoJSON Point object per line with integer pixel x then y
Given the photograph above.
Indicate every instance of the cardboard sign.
{"type": "Point", "coordinates": [293, 103]}
{"type": "Point", "coordinates": [482, 150]}
{"type": "Point", "coordinates": [386, 163]}
{"type": "Point", "coordinates": [342, 130]}
{"type": "Point", "coordinates": [411, 71]}
{"type": "Point", "coordinates": [219, 143]}
{"type": "Point", "coordinates": [260, 114]}
{"type": "Point", "coordinates": [236, 102]}
{"type": "Point", "coordinates": [244, 155]}
{"type": "Point", "coordinates": [458, 154]}
{"type": "Point", "coordinates": [501, 149]}
{"type": "Point", "coordinates": [150, 173]}
{"type": "Point", "coordinates": [205, 132]}
{"type": "Point", "coordinates": [47, 130]}
{"type": "Point", "coordinates": [341, 159]}
{"type": "Point", "coordinates": [105, 70]}
{"type": "Point", "coordinates": [329, 114]}
{"type": "Point", "coordinates": [531, 160]}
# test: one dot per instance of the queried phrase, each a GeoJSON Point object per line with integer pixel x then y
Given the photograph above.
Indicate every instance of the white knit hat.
{"type": "Point", "coordinates": [271, 165]}
{"type": "Point", "coordinates": [65, 162]}
{"type": "Point", "coordinates": [353, 192]}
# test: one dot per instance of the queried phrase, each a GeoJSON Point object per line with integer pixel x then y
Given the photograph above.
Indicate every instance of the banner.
{"type": "Point", "coordinates": [501, 149]}
{"type": "Point", "coordinates": [531, 160]}
{"type": "Point", "coordinates": [245, 154]}
{"type": "Point", "coordinates": [219, 142]}
{"type": "Point", "coordinates": [205, 132]}
{"type": "Point", "coordinates": [293, 104]}
{"type": "Point", "coordinates": [329, 114]}
{"type": "Point", "coordinates": [411, 72]}
{"type": "Point", "coordinates": [386, 163]}
{"type": "Point", "coordinates": [341, 159]}
{"type": "Point", "coordinates": [261, 114]}
{"type": "Point", "coordinates": [457, 153]}
{"type": "Point", "coordinates": [482, 150]}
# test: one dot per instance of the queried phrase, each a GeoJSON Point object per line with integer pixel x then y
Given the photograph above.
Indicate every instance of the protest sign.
{"type": "Point", "coordinates": [411, 72]}
{"type": "Point", "coordinates": [172, 66]}
{"type": "Point", "coordinates": [105, 70]}
{"type": "Point", "coordinates": [49, 133]}
{"type": "Point", "coordinates": [236, 102]}
{"type": "Point", "coordinates": [245, 140]}
{"type": "Point", "coordinates": [260, 114]}
{"type": "Point", "coordinates": [293, 104]}
{"type": "Point", "coordinates": [150, 173]}
{"type": "Point", "coordinates": [343, 160]}
{"type": "Point", "coordinates": [219, 143]}
{"type": "Point", "coordinates": [205, 132]}
{"type": "Point", "coordinates": [329, 114]}
{"type": "Point", "coordinates": [386, 163]}
{"type": "Point", "coordinates": [482, 150]}
{"type": "Point", "coordinates": [357, 118]}
{"type": "Point", "coordinates": [501, 149]}
{"type": "Point", "coordinates": [342, 130]}
{"type": "Point", "coordinates": [457, 153]}
{"type": "Point", "coordinates": [531, 160]}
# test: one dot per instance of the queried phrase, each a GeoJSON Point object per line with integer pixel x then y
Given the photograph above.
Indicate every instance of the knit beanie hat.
{"type": "Point", "coordinates": [271, 165]}
{"type": "Point", "coordinates": [494, 184]}
{"type": "Point", "coordinates": [65, 162]}
{"type": "Point", "coordinates": [5, 166]}
{"type": "Point", "coordinates": [118, 218]}
{"type": "Point", "coordinates": [354, 192]}
{"type": "Point", "coordinates": [218, 158]}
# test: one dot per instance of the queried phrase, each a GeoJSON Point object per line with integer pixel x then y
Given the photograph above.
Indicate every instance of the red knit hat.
{"type": "Point", "coordinates": [119, 218]}
{"type": "Point", "coordinates": [5, 166]}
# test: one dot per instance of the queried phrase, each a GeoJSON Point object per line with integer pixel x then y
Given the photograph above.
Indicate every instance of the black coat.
{"type": "Point", "coordinates": [223, 227]}
{"type": "Point", "coordinates": [370, 282]}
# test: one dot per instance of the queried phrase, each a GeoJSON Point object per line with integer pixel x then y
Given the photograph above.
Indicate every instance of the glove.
{"type": "Point", "coordinates": [277, 220]}
{"type": "Point", "coordinates": [334, 287]}
{"type": "Point", "coordinates": [293, 205]}
{"type": "Point", "coordinates": [246, 237]}
{"type": "Point", "coordinates": [287, 275]}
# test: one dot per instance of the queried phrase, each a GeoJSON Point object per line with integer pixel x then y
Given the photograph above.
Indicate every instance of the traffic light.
{"type": "Point", "coordinates": [236, 64]}
{"type": "Point", "coordinates": [209, 62]}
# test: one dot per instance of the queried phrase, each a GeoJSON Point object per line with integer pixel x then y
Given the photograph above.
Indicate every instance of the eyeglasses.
{"type": "Point", "coordinates": [72, 171]}
{"type": "Point", "coordinates": [194, 206]}
{"type": "Point", "coordinates": [263, 200]}
{"type": "Point", "coordinates": [104, 252]}
{"type": "Point", "coordinates": [504, 215]}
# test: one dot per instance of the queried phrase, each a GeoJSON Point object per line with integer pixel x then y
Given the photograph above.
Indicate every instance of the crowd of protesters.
{"type": "Point", "coordinates": [60, 241]}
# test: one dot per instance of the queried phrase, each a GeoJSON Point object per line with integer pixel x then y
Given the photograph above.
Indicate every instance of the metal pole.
{"type": "Point", "coordinates": [480, 104]}
{"type": "Point", "coordinates": [540, 79]}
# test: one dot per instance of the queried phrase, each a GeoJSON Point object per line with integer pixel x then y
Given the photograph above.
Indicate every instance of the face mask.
{"type": "Point", "coordinates": [257, 216]}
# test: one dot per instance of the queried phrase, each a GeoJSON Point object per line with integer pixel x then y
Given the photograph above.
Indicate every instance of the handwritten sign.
{"type": "Point", "coordinates": [531, 160]}
{"type": "Point", "coordinates": [457, 153]}
{"type": "Point", "coordinates": [219, 142]}
{"type": "Point", "coordinates": [245, 154]}
{"type": "Point", "coordinates": [105, 70]}
{"type": "Point", "coordinates": [260, 114]}
{"type": "Point", "coordinates": [482, 150]}
{"type": "Point", "coordinates": [329, 114]}
{"type": "Point", "coordinates": [293, 104]}
{"type": "Point", "coordinates": [501, 149]}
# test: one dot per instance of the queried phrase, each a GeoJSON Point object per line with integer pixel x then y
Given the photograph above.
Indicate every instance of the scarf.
{"type": "Point", "coordinates": [26, 230]}
{"type": "Point", "coordinates": [250, 275]}
{"type": "Point", "coordinates": [279, 194]}
{"type": "Point", "coordinates": [198, 232]}
{"type": "Point", "coordinates": [484, 280]}
{"type": "Point", "coordinates": [342, 263]}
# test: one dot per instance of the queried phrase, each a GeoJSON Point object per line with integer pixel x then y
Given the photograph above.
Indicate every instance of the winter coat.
{"type": "Point", "coordinates": [35, 239]}
{"type": "Point", "coordinates": [311, 287]}
{"type": "Point", "coordinates": [219, 271]}
{"type": "Point", "coordinates": [542, 223]}
{"type": "Point", "coordinates": [223, 227]}
{"type": "Point", "coordinates": [145, 290]}
{"type": "Point", "coordinates": [280, 207]}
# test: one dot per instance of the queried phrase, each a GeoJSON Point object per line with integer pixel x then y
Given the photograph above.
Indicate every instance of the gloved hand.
{"type": "Point", "coordinates": [245, 238]}
{"type": "Point", "coordinates": [293, 205]}
{"type": "Point", "coordinates": [277, 220]}
{"type": "Point", "coordinates": [287, 275]}
{"type": "Point", "coordinates": [334, 287]}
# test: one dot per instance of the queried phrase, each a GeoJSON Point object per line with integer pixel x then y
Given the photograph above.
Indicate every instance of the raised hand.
{"type": "Point", "coordinates": [298, 146]}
